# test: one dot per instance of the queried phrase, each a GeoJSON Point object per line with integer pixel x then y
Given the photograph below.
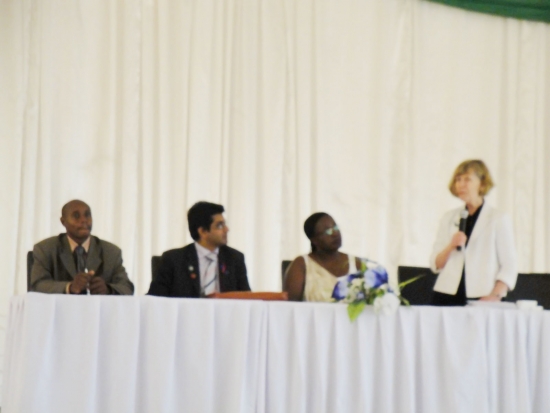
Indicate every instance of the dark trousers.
{"type": "Point", "coordinates": [459, 299]}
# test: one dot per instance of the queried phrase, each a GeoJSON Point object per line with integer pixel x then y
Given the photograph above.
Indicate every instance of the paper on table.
{"type": "Point", "coordinates": [492, 304]}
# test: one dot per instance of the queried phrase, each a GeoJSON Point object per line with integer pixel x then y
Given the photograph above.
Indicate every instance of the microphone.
{"type": "Point", "coordinates": [367, 261]}
{"type": "Point", "coordinates": [87, 285]}
{"type": "Point", "coordinates": [462, 224]}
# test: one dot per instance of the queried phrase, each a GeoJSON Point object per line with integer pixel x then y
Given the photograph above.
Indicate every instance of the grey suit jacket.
{"type": "Point", "coordinates": [54, 265]}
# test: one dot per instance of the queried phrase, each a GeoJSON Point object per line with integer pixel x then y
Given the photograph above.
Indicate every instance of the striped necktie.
{"type": "Point", "coordinates": [210, 274]}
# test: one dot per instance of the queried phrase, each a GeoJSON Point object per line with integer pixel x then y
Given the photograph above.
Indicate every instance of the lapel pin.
{"type": "Point", "coordinates": [193, 275]}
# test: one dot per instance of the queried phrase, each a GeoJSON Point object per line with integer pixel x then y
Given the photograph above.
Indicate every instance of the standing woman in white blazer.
{"type": "Point", "coordinates": [485, 267]}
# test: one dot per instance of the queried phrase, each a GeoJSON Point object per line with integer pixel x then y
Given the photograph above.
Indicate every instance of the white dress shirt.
{"type": "Point", "coordinates": [73, 244]}
{"type": "Point", "coordinates": [204, 263]}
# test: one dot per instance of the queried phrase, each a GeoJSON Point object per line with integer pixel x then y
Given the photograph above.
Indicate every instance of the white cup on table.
{"type": "Point", "coordinates": [527, 304]}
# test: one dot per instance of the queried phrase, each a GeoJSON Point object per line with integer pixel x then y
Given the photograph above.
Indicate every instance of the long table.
{"type": "Point", "coordinates": [150, 354]}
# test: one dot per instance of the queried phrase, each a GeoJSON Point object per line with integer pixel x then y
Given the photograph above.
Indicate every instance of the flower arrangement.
{"type": "Point", "coordinates": [369, 286]}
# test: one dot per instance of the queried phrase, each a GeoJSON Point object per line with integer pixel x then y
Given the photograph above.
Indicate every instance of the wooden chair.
{"type": "Point", "coordinates": [251, 295]}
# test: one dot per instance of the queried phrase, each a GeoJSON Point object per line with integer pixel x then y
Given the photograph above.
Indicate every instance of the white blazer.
{"type": "Point", "coordinates": [489, 256]}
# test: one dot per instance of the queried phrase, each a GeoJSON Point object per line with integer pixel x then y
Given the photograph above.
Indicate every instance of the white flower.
{"type": "Point", "coordinates": [357, 282]}
{"type": "Point", "coordinates": [387, 304]}
{"type": "Point", "coordinates": [350, 296]}
{"type": "Point", "coordinates": [354, 291]}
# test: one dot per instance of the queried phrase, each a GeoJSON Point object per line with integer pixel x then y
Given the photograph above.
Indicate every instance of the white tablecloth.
{"type": "Point", "coordinates": [149, 354]}
{"type": "Point", "coordinates": [133, 354]}
{"type": "Point", "coordinates": [422, 359]}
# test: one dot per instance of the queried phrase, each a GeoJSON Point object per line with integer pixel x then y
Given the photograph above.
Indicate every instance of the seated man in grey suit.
{"type": "Point", "coordinates": [76, 262]}
{"type": "Point", "coordinates": [206, 266]}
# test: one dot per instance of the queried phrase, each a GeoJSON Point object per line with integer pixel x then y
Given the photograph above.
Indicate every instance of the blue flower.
{"type": "Point", "coordinates": [376, 277]}
{"type": "Point", "coordinates": [341, 289]}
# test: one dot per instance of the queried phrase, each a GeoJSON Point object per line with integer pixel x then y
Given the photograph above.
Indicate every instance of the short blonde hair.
{"type": "Point", "coordinates": [480, 169]}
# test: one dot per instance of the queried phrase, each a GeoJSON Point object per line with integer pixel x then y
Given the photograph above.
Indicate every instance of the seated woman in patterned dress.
{"type": "Point", "coordinates": [312, 277]}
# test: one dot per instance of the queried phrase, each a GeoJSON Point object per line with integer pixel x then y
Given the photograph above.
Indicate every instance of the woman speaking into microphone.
{"type": "Point", "coordinates": [475, 258]}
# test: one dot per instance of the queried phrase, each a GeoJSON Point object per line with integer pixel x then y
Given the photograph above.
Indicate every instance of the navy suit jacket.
{"type": "Point", "coordinates": [179, 274]}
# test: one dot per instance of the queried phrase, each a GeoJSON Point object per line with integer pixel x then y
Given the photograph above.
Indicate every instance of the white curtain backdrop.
{"type": "Point", "coordinates": [276, 109]}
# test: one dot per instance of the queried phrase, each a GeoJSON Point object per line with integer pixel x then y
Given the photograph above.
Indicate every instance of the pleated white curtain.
{"type": "Point", "coordinates": [276, 109]}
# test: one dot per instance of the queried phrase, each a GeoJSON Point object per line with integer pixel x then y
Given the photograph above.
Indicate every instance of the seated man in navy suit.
{"type": "Point", "coordinates": [206, 266]}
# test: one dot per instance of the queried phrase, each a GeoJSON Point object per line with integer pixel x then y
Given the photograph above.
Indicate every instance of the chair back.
{"type": "Point", "coordinates": [30, 262]}
{"type": "Point", "coordinates": [420, 291]}
{"type": "Point", "coordinates": [156, 261]}
{"type": "Point", "coordinates": [531, 287]}
{"type": "Point", "coordinates": [284, 266]}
